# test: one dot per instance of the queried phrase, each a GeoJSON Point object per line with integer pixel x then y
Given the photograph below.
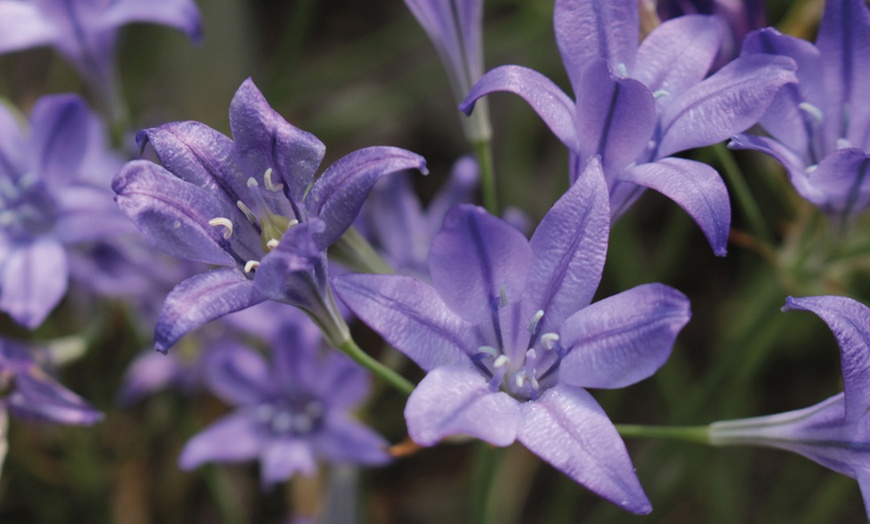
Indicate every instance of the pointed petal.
{"type": "Point", "coordinates": [171, 213]}
{"type": "Point", "coordinates": [842, 178]}
{"type": "Point", "coordinates": [284, 457]}
{"type": "Point", "coordinates": [794, 165]}
{"type": "Point", "coordinates": [477, 261]}
{"type": "Point", "coordinates": [37, 396]}
{"type": "Point", "coordinates": [616, 118]}
{"type": "Point", "coordinates": [568, 429]}
{"type": "Point", "coordinates": [545, 97]}
{"type": "Point", "coordinates": [236, 374]}
{"type": "Point", "coordinates": [456, 400]}
{"type": "Point", "coordinates": [22, 26]}
{"type": "Point", "coordinates": [33, 279]}
{"type": "Point", "coordinates": [295, 271]}
{"type": "Point", "coordinates": [344, 382]}
{"type": "Point", "coordinates": [346, 440]}
{"type": "Point", "coordinates": [180, 14]}
{"type": "Point", "coordinates": [849, 320]}
{"type": "Point", "coordinates": [728, 102]}
{"type": "Point", "coordinates": [459, 188]}
{"type": "Point", "coordinates": [410, 316]}
{"type": "Point", "coordinates": [696, 187]}
{"type": "Point", "coordinates": [200, 299]}
{"type": "Point", "coordinates": [588, 30]}
{"type": "Point", "coordinates": [88, 213]}
{"type": "Point", "coordinates": [336, 197]}
{"type": "Point", "coordinates": [148, 373]}
{"type": "Point", "coordinates": [678, 54]}
{"type": "Point", "coordinates": [622, 339]}
{"type": "Point", "coordinates": [58, 139]}
{"type": "Point", "coordinates": [569, 249]}
{"type": "Point", "coordinates": [234, 438]}
{"type": "Point", "coordinates": [264, 140]}
{"type": "Point", "coordinates": [394, 221]}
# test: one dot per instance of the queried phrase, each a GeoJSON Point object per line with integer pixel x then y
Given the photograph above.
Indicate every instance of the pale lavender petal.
{"type": "Point", "coordinates": [394, 216]}
{"type": "Point", "coordinates": [456, 400]}
{"type": "Point", "coordinates": [696, 187]}
{"type": "Point", "coordinates": [37, 396]}
{"type": "Point", "coordinates": [545, 97]}
{"type": "Point", "coordinates": [622, 339]}
{"type": "Point", "coordinates": [236, 374]}
{"type": "Point", "coordinates": [346, 440]}
{"type": "Point", "coordinates": [569, 249]}
{"type": "Point", "coordinates": [410, 316]}
{"type": "Point", "coordinates": [295, 271]}
{"type": "Point", "coordinates": [264, 140]}
{"type": "Point", "coordinates": [588, 30]}
{"type": "Point", "coordinates": [615, 118]}
{"type": "Point", "coordinates": [477, 262]}
{"type": "Point", "coordinates": [677, 55]}
{"type": "Point", "coordinates": [149, 372]}
{"type": "Point", "coordinates": [567, 428]}
{"type": "Point", "coordinates": [22, 25]}
{"type": "Point", "coordinates": [794, 165]}
{"type": "Point", "coordinates": [337, 196]}
{"type": "Point", "coordinates": [724, 104]}
{"type": "Point", "coordinates": [200, 299]}
{"type": "Point", "coordinates": [171, 213]}
{"type": "Point", "coordinates": [180, 14]}
{"type": "Point", "coordinates": [88, 213]}
{"type": "Point", "coordinates": [459, 188]}
{"type": "Point", "coordinates": [33, 279]}
{"type": "Point", "coordinates": [849, 320]}
{"type": "Point", "coordinates": [341, 380]}
{"type": "Point", "coordinates": [58, 140]}
{"type": "Point", "coordinates": [842, 178]}
{"type": "Point", "coordinates": [234, 438]}
{"type": "Point", "coordinates": [282, 458]}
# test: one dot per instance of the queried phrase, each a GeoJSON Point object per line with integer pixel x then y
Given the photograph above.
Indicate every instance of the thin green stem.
{"type": "Point", "coordinates": [697, 434]}
{"type": "Point", "coordinates": [483, 150]}
{"type": "Point", "coordinates": [398, 382]}
{"type": "Point", "coordinates": [484, 476]}
{"type": "Point", "coordinates": [355, 252]}
{"type": "Point", "coordinates": [744, 196]}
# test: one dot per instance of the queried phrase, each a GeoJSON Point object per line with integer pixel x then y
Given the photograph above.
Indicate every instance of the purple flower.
{"type": "Point", "coordinates": [290, 412]}
{"type": "Point", "coordinates": [835, 432]}
{"type": "Point", "coordinates": [637, 106]}
{"type": "Point", "coordinates": [510, 340]}
{"type": "Point", "coordinates": [85, 32]}
{"type": "Point", "coordinates": [819, 130]}
{"type": "Point", "coordinates": [50, 198]}
{"type": "Point", "coordinates": [244, 203]}
{"type": "Point", "coordinates": [31, 394]}
{"type": "Point", "coordinates": [455, 28]}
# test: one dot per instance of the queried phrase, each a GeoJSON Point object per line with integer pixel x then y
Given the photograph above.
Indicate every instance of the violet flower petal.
{"type": "Point", "coordinates": [179, 14]}
{"type": "Point", "coordinates": [567, 428]}
{"type": "Point", "coordinates": [283, 458]}
{"type": "Point", "coordinates": [456, 400]}
{"type": "Point", "coordinates": [622, 339]}
{"type": "Point", "coordinates": [200, 299]}
{"type": "Point", "coordinates": [58, 140]}
{"type": "Point", "coordinates": [458, 189]}
{"type": "Point", "coordinates": [792, 163]}
{"type": "Point", "coordinates": [234, 438]}
{"type": "Point", "coordinates": [346, 440]}
{"type": "Point", "coordinates": [337, 196]}
{"type": "Point", "coordinates": [724, 104]}
{"type": "Point", "coordinates": [235, 373]}
{"type": "Point", "coordinates": [88, 213]}
{"type": "Point", "coordinates": [37, 396]}
{"type": "Point", "coordinates": [294, 272]}
{"type": "Point", "coordinates": [33, 279]}
{"type": "Point", "coordinates": [546, 98]}
{"type": "Point", "coordinates": [696, 187]}
{"type": "Point", "coordinates": [410, 316]}
{"type": "Point", "coordinates": [22, 25]}
{"type": "Point", "coordinates": [842, 178]}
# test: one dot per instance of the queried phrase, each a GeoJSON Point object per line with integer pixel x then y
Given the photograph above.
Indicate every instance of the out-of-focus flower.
{"type": "Point", "coordinates": [50, 198]}
{"type": "Point", "coordinates": [85, 32]}
{"type": "Point", "coordinates": [836, 432]}
{"type": "Point", "coordinates": [637, 106]}
{"type": "Point", "coordinates": [244, 203]}
{"type": "Point", "coordinates": [819, 129]}
{"type": "Point", "coordinates": [290, 412]}
{"type": "Point", "coordinates": [510, 340]}
{"type": "Point", "coordinates": [455, 28]}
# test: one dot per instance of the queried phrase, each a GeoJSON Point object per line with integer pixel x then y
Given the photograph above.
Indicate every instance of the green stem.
{"type": "Point", "coordinates": [744, 196]}
{"type": "Point", "coordinates": [483, 150]}
{"type": "Point", "coordinates": [355, 252]}
{"type": "Point", "coordinates": [484, 475]}
{"type": "Point", "coordinates": [351, 349]}
{"type": "Point", "coordinates": [697, 434]}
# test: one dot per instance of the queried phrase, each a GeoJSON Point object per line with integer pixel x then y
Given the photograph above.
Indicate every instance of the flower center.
{"type": "Point", "coordinates": [284, 417]}
{"type": "Point", "coordinates": [26, 208]}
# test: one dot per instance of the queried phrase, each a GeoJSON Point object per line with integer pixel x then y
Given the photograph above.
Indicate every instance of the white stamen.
{"type": "Point", "coordinates": [247, 211]}
{"type": "Point", "coordinates": [501, 361]}
{"type": "Point", "coordinates": [489, 350]}
{"type": "Point", "coordinates": [536, 318]}
{"type": "Point", "coordinates": [252, 182]}
{"type": "Point", "coordinates": [226, 223]}
{"type": "Point", "coordinates": [621, 70]}
{"type": "Point", "coordinates": [272, 244]}
{"type": "Point", "coordinates": [176, 224]}
{"type": "Point", "coordinates": [251, 265]}
{"type": "Point", "coordinates": [548, 339]}
{"type": "Point", "coordinates": [812, 110]}
{"type": "Point", "coordinates": [811, 168]}
{"type": "Point", "coordinates": [282, 422]}
{"type": "Point", "coordinates": [520, 378]}
{"type": "Point", "coordinates": [661, 93]}
{"type": "Point", "coordinates": [502, 297]}
{"type": "Point", "coordinates": [267, 181]}
{"type": "Point", "coordinates": [843, 143]}
{"type": "Point", "coordinates": [292, 223]}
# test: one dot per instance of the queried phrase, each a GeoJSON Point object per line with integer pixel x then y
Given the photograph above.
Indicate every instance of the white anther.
{"type": "Point", "coordinates": [489, 350]}
{"type": "Point", "coordinates": [520, 379]}
{"type": "Point", "coordinates": [621, 70]}
{"type": "Point", "coordinates": [811, 168]}
{"type": "Point", "coordinates": [548, 339]}
{"type": "Point", "coordinates": [226, 223]}
{"type": "Point", "coordinates": [252, 182]}
{"type": "Point", "coordinates": [843, 143]}
{"type": "Point", "coordinates": [661, 93]}
{"type": "Point", "coordinates": [292, 223]}
{"type": "Point", "coordinates": [247, 211]}
{"type": "Point", "coordinates": [251, 265]}
{"type": "Point", "coordinates": [267, 181]}
{"type": "Point", "coordinates": [282, 422]}
{"type": "Point", "coordinates": [264, 412]}
{"type": "Point", "coordinates": [502, 297]}
{"type": "Point", "coordinates": [812, 110]}
{"type": "Point", "coordinates": [533, 325]}
{"type": "Point", "coordinates": [272, 243]}
{"type": "Point", "coordinates": [501, 361]}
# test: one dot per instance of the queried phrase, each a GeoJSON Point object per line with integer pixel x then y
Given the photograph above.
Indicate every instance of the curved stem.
{"type": "Point", "coordinates": [483, 150]}
{"type": "Point", "coordinates": [697, 434]}
{"type": "Point", "coordinates": [398, 382]}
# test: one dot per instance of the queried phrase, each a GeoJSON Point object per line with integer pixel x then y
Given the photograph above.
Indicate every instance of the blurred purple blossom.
{"type": "Point", "coordinates": [836, 432]}
{"type": "Point", "coordinates": [54, 192]}
{"type": "Point", "coordinates": [290, 412]}
{"type": "Point", "coordinates": [819, 129]}
{"type": "Point", "coordinates": [244, 203]}
{"type": "Point", "coordinates": [510, 341]}
{"type": "Point", "coordinates": [638, 105]}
